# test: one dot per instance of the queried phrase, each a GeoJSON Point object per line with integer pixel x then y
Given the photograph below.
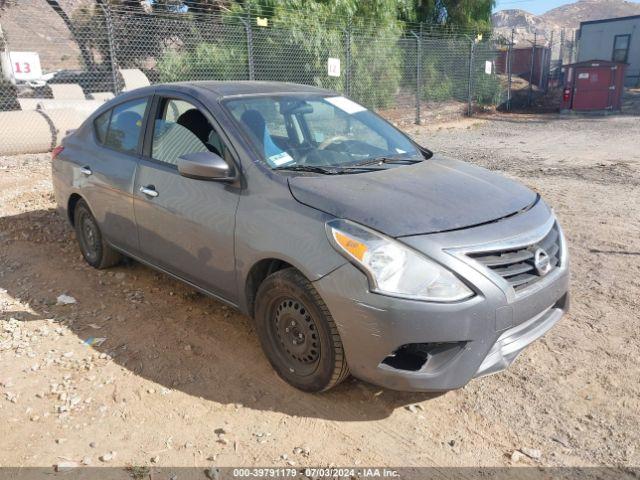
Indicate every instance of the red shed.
{"type": "Point", "coordinates": [593, 85]}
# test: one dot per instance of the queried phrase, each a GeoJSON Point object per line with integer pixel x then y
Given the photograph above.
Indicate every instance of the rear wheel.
{"type": "Point", "coordinates": [298, 334]}
{"type": "Point", "coordinates": [94, 249]}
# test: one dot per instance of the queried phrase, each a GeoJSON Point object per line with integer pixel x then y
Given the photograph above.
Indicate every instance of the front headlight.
{"type": "Point", "coordinates": [393, 268]}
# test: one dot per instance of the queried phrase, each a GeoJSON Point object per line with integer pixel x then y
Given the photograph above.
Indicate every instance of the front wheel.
{"type": "Point", "coordinates": [94, 249]}
{"type": "Point", "coordinates": [298, 334]}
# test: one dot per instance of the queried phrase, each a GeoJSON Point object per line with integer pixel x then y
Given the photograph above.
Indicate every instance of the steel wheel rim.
{"type": "Point", "coordinates": [89, 236]}
{"type": "Point", "coordinates": [295, 336]}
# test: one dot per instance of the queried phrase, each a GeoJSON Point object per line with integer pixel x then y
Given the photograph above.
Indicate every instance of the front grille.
{"type": "Point", "coordinates": [517, 266]}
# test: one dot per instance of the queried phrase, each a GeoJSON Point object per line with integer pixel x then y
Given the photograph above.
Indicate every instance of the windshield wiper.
{"type": "Point", "coordinates": [389, 161]}
{"type": "Point", "coordinates": [362, 168]}
{"type": "Point", "coordinates": [329, 170]}
{"type": "Point", "coordinates": [305, 168]}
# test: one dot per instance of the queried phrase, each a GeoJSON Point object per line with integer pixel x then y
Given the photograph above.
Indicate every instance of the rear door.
{"type": "Point", "coordinates": [186, 226]}
{"type": "Point", "coordinates": [108, 170]}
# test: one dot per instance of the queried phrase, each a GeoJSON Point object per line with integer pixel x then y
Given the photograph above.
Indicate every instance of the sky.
{"type": "Point", "coordinates": [534, 6]}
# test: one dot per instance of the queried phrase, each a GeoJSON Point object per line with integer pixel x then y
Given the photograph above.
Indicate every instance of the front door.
{"type": "Point", "coordinates": [185, 226]}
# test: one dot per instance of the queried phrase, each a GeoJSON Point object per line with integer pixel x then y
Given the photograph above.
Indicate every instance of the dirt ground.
{"type": "Point", "coordinates": [181, 381]}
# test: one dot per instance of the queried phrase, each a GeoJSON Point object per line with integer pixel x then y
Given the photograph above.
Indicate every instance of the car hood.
{"type": "Point", "coordinates": [432, 196]}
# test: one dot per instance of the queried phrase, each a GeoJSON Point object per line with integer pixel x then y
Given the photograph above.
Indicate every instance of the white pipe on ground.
{"type": "Point", "coordinates": [36, 131]}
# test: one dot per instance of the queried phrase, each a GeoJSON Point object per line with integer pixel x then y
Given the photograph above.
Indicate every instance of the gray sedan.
{"type": "Point", "coordinates": [353, 249]}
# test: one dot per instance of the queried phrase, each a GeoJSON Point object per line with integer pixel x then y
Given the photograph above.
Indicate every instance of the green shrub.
{"type": "Point", "coordinates": [376, 70]}
{"type": "Point", "coordinates": [445, 67]}
{"type": "Point", "coordinates": [437, 86]}
{"type": "Point", "coordinates": [487, 89]}
{"type": "Point", "coordinates": [207, 61]}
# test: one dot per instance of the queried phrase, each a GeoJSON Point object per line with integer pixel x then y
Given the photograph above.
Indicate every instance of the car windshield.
{"type": "Point", "coordinates": [315, 132]}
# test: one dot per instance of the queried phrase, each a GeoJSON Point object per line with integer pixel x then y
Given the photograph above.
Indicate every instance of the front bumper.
{"type": "Point", "coordinates": [458, 341]}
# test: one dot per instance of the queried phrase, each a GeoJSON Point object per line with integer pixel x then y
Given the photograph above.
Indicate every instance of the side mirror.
{"type": "Point", "coordinates": [205, 166]}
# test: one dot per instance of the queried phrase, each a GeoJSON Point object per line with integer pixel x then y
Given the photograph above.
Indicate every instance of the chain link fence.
{"type": "Point", "coordinates": [58, 67]}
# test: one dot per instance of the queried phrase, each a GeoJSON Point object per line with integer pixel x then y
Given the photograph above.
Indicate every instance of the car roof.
{"type": "Point", "coordinates": [235, 88]}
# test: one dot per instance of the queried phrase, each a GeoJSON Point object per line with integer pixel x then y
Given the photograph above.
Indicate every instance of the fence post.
{"type": "Point", "coordinates": [112, 51]}
{"type": "Point", "coordinates": [418, 73]}
{"type": "Point", "coordinates": [549, 63]}
{"type": "Point", "coordinates": [470, 93]}
{"type": "Point", "coordinates": [509, 67]}
{"type": "Point", "coordinates": [347, 55]}
{"type": "Point", "coordinates": [533, 63]}
{"type": "Point", "coordinates": [249, 32]}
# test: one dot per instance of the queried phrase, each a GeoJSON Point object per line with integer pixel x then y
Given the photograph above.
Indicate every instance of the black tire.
{"type": "Point", "coordinates": [298, 334]}
{"type": "Point", "coordinates": [94, 249]}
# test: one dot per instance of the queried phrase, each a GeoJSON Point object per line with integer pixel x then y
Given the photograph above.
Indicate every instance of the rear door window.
{"type": "Point", "coordinates": [124, 126]}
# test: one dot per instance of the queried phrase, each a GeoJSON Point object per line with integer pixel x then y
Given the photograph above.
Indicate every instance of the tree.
{"type": "Point", "coordinates": [455, 14]}
{"type": "Point", "coordinates": [475, 14]}
{"type": "Point", "coordinates": [85, 51]}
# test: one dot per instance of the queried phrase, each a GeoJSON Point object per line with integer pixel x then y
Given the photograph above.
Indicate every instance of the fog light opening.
{"type": "Point", "coordinates": [425, 357]}
{"type": "Point", "coordinates": [410, 357]}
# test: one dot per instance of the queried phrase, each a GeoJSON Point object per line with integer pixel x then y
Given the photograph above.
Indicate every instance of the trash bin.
{"type": "Point", "coordinates": [595, 85]}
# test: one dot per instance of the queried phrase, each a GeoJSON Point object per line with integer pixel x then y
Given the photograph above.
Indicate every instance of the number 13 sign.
{"type": "Point", "coordinates": [25, 65]}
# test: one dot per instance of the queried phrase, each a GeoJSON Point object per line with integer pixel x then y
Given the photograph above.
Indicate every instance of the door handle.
{"type": "Point", "coordinates": [86, 170]}
{"type": "Point", "coordinates": [149, 190]}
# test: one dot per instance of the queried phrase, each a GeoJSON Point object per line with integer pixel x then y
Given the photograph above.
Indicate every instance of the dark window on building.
{"type": "Point", "coordinates": [621, 45]}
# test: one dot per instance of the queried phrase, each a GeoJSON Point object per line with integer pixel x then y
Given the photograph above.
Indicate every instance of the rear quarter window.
{"type": "Point", "coordinates": [101, 126]}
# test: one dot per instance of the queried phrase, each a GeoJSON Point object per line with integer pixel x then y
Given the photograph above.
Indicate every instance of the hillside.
{"type": "Point", "coordinates": [570, 16]}
{"type": "Point", "coordinates": [566, 16]}
{"type": "Point", "coordinates": [22, 23]}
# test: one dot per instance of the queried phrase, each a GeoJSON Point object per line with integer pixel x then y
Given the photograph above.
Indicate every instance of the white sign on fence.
{"type": "Point", "coordinates": [333, 67]}
{"type": "Point", "coordinates": [488, 67]}
{"type": "Point", "coordinates": [25, 65]}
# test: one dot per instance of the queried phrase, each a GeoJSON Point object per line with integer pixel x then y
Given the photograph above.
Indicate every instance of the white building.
{"type": "Point", "coordinates": [614, 39]}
